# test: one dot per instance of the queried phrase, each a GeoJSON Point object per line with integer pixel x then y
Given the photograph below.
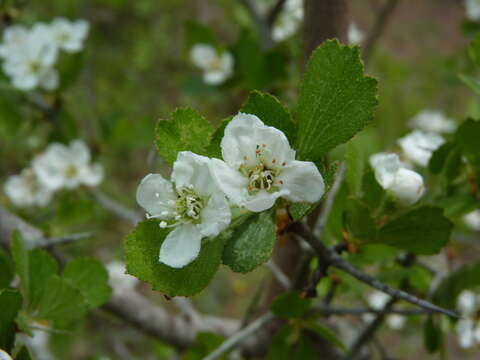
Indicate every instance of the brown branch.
{"type": "Point", "coordinates": [274, 11]}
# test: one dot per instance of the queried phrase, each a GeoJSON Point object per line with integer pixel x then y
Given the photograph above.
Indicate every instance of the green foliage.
{"type": "Point", "coordinates": [359, 221]}
{"type": "Point", "coordinates": [7, 270]}
{"type": "Point", "coordinates": [90, 278]}
{"type": "Point", "coordinates": [432, 336]}
{"type": "Point", "coordinates": [471, 82]}
{"type": "Point", "coordinates": [251, 243]}
{"type": "Point", "coordinates": [326, 333]}
{"type": "Point", "coordinates": [466, 277]}
{"type": "Point", "coordinates": [355, 161]}
{"type": "Point", "coordinates": [41, 266]}
{"type": "Point", "coordinates": [214, 149]}
{"type": "Point", "coordinates": [204, 344]}
{"type": "Point", "coordinates": [23, 354]}
{"type": "Point", "coordinates": [142, 249]}
{"type": "Point", "coordinates": [197, 33]}
{"type": "Point", "coordinates": [423, 231]}
{"type": "Point", "coordinates": [290, 305]}
{"type": "Point", "coordinates": [439, 157]}
{"type": "Point", "coordinates": [467, 137]}
{"type": "Point", "coordinates": [187, 130]}
{"type": "Point", "coordinates": [20, 256]}
{"type": "Point", "coordinates": [271, 112]}
{"type": "Point", "coordinates": [336, 100]}
{"type": "Point", "coordinates": [10, 303]}
{"type": "Point", "coordinates": [474, 50]}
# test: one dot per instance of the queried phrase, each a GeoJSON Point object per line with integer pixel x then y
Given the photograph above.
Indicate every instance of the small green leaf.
{"type": "Point", "coordinates": [432, 336]}
{"type": "Point", "coordinates": [326, 333]}
{"type": "Point", "coordinates": [472, 83]}
{"type": "Point", "coordinates": [7, 270]}
{"type": "Point", "coordinates": [474, 50]}
{"type": "Point", "coordinates": [336, 100]}
{"type": "Point", "coordinates": [359, 221]}
{"type": "Point", "coordinates": [372, 193]}
{"type": "Point", "coordinates": [251, 243]}
{"type": "Point", "coordinates": [90, 278]}
{"type": "Point", "coordinates": [41, 266]}
{"type": "Point", "coordinates": [10, 304]}
{"type": "Point", "coordinates": [439, 157]}
{"type": "Point", "coordinates": [271, 112]}
{"type": "Point", "coordinates": [214, 149]}
{"type": "Point", "coordinates": [355, 161]}
{"type": "Point", "coordinates": [280, 347]}
{"type": "Point", "coordinates": [23, 354]}
{"type": "Point", "coordinates": [61, 301]}
{"type": "Point", "coordinates": [142, 249]}
{"type": "Point", "coordinates": [187, 130]}
{"type": "Point", "coordinates": [467, 138]}
{"type": "Point", "coordinates": [423, 231]}
{"type": "Point", "coordinates": [290, 305]}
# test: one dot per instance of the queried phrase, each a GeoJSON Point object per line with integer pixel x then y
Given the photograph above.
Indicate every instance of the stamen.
{"type": "Point", "coordinates": [163, 224]}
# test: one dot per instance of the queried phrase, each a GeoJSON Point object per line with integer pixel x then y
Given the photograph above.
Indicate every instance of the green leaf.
{"type": "Point", "coordinates": [327, 334]}
{"type": "Point", "coordinates": [10, 304]}
{"type": "Point", "coordinates": [23, 354]}
{"type": "Point", "coordinates": [432, 336]}
{"type": "Point", "coordinates": [280, 347]}
{"type": "Point", "coordinates": [467, 138]}
{"type": "Point", "coordinates": [372, 192]}
{"type": "Point", "coordinates": [474, 50]}
{"type": "Point", "coordinates": [197, 33]}
{"type": "Point", "coordinates": [355, 161]}
{"type": "Point", "coordinates": [187, 130]}
{"type": "Point", "coordinates": [90, 278]}
{"type": "Point", "coordinates": [251, 243]}
{"type": "Point", "coordinates": [359, 221]}
{"type": "Point", "coordinates": [214, 149]}
{"type": "Point", "coordinates": [439, 157]}
{"type": "Point", "coordinates": [41, 266]}
{"type": "Point", "coordinates": [7, 270]}
{"type": "Point", "coordinates": [472, 83]}
{"type": "Point", "coordinates": [20, 257]}
{"type": "Point", "coordinates": [142, 249]}
{"type": "Point", "coordinates": [61, 301]}
{"type": "Point", "coordinates": [336, 100]}
{"type": "Point", "coordinates": [423, 231]}
{"type": "Point", "coordinates": [204, 344]}
{"type": "Point", "coordinates": [271, 112]}
{"type": "Point", "coordinates": [466, 277]}
{"type": "Point", "coordinates": [290, 305]}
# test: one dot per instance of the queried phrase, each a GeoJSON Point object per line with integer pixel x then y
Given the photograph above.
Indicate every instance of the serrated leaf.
{"type": "Point", "coordinates": [290, 305]}
{"type": "Point", "coordinates": [10, 304]}
{"type": "Point", "coordinates": [372, 192]}
{"type": "Point", "coordinates": [327, 334]}
{"type": "Point", "coordinates": [214, 149]}
{"type": "Point", "coordinates": [7, 270]}
{"type": "Point", "coordinates": [271, 112]}
{"type": "Point", "coordinates": [142, 249]}
{"type": "Point", "coordinates": [423, 231]}
{"type": "Point", "coordinates": [61, 301]}
{"type": "Point", "coordinates": [467, 138]}
{"type": "Point", "coordinates": [90, 278]}
{"type": "Point", "coordinates": [41, 266]}
{"type": "Point", "coordinates": [251, 243]}
{"type": "Point", "coordinates": [20, 257]}
{"type": "Point", "coordinates": [432, 336]}
{"type": "Point", "coordinates": [186, 130]}
{"type": "Point", "coordinates": [336, 100]}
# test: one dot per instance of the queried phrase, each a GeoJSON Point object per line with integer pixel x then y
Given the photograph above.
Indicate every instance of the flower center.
{"type": "Point", "coordinates": [71, 171]}
{"type": "Point", "coordinates": [188, 206]}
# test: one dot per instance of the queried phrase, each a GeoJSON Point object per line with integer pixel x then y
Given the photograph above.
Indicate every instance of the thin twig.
{"type": "Point", "coordinates": [115, 207]}
{"type": "Point", "coordinates": [261, 25]}
{"type": "Point", "coordinates": [279, 275]}
{"type": "Point", "coordinates": [383, 16]}
{"type": "Point", "coordinates": [274, 11]}
{"type": "Point", "coordinates": [187, 308]}
{"type": "Point", "coordinates": [53, 241]}
{"type": "Point", "coordinates": [327, 310]}
{"type": "Point", "coordinates": [240, 336]}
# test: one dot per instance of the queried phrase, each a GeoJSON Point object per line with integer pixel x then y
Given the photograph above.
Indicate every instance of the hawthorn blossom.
{"type": "Point", "coordinates": [433, 121]}
{"type": "Point", "coordinates": [259, 167]}
{"type": "Point", "coordinates": [288, 21]}
{"type": "Point", "coordinates": [468, 327]}
{"type": "Point", "coordinates": [418, 146]}
{"type": "Point", "coordinates": [25, 190]}
{"type": "Point", "coordinates": [217, 66]}
{"type": "Point", "coordinates": [355, 35]}
{"type": "Point", "coordinates": [4, 355]}
{"type": "Point", "coordinates": [66, 167]}
{"type": "Point", "coordinates": [69, 35]}
{"type": "Point", "coordinates": [472, 9]}
{"type": "Point", "coordinates": [472, 220]}
{"type": "Point", "coordinates": [405, 185]}
{"type": "Point", "coordinates": [190, 203]}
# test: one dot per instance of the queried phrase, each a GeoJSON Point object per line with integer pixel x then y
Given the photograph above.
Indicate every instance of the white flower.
{"type": "Point", "coordinates": [4, 355]}
{"type": "Point", "coordinates": [396, 321]}
{"type": "Point", "coordinates": [468, 333]}
{"type": "Point", "coordinates": [472, 220]}
{"type": "Point", "coordinates": [190, 202]}
{"type": "Point", "coordinates": [355, 35]}
{"type": "Point", "coordinates": [418, 146]}
{"type": "Point", "coordinates": [119, 280]}
{"type": "Point", "coordinates": [467, 302]}
{"type": "Point", "coordinates": [433, 121]}
{"type": "Point", "coordinates": [25, 190]}
{"type": "Point", "coordinates": [404, 184]}
{"type": "Point", "coordinates": [260, 167]}
{"type": "Point", "coordinates": [69, 35]}
{"type": "Point", "coordinates": [288, 21]}
{"type": "Point", "coordinates": [472, 9]}
{"type": "Point", "coordinates": [217, 67]}
{"type": "Point", "coordinates": [62, 166]}
{"type": "Point", "coordinates": [377, 300]}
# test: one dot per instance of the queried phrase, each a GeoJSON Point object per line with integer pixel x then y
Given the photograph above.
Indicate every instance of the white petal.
{"type": "Point", "coordinates": [4, 355]}
{"type": "Point", "coordinates": [263, 200]}
{"type": "Point", "coordinates": [51, 165]}
{"type": "Point", "coordinates": [80, 152]}
{"type": "Point", "coordinates": [215, 216]}
{"type": "Point", "coordinates": [192, 169]}
{"type": "Point", "coordinates": [386, 166]}
{"type": "Point", "coordinates": [202, 55]}
{"type": "Point", "coordinates": [396, 321]}
{"type": "Point", "coordinates": [92, 175]}
{"type": "Point", "coordinates": [433, 121]}
{"type": "Point", "coordinates": [25, 82]}
{"type": "Point", "coordinates": [50, 80]}
{"type": "Point", "coordinates": [467, 302]}
{"type": "Point", "coordinates": [154, 194]}
{"type": "Point", "coordinates": [274, 146]}
{"type": "Point", "coordinates": [377, 300]}
{"type": "Point", "coordinates": [419, 146]}
{"type": "Point", "coordinates": [231, 182]}
{"type": "Point", "coordinates": [181, 246]}
{"type": "Point", "coordinates": [214, 77]}
{"type": "Point", "coordinates": [408, 187]}
{"type": "Point", "coordinates": [302, 180]}
{"type": "Point", "coordinates": [472, 220]}
{"type": "Point", "coordinates": [465, 333]}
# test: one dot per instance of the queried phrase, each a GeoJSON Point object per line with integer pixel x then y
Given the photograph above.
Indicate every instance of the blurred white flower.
{"type": "Point", "coordinates": [468, 328]}
{"type": "Point", "coordinates": [259, 166]}
{"type": "Point", "coordinates": [191, 203]}
{"type": "Point", "coordinates": [25, 190]}
{"type": "Point", "coordinates": [472, 9]}
{"type": "Point", "coordinates": [355, 35]}
{"type": "Point", "coordinates": [69, 35]}
{"type": "Point", "coordinates": [468, 302]}
{"type": "Point", "coordinates": [434, 121]}
{"type": "Point", "coordinates": [61, 166]}
{"type": "Point", "coordinates": [472, 220]}
{"type": "Point", "coordinates": [396, 321]}
{"type": "Point", "coordinates": [418, 146]}
{"type": "Point", "coordinates": [217, 67]}
{"type": "Point", "coordinates": [377, 300]}
{"type": "Point", "coordinates": [119, 280]}
{"type": "Point", "coordinates": [404, 184]}
{"type": "Point", "coordinates": [4, 355]}
{"type": "Point", "coordinates": [38, 343]}
{"type": "Point", "coordinates": [288, 21]}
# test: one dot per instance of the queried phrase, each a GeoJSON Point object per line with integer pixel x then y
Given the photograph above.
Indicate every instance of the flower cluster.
{"type": "Point", "coordinates": [468, 328]}
{"type": "Point", "coordinates": [30, 55]}
{"type": "Point", "coordinates": [258, 167]}
{"type": "Point", "coordinates": [288, 21]}
{"type": "Point", "coordinates": [58, 167]}
{"type": "Point", "coordinates": [217, 66]}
